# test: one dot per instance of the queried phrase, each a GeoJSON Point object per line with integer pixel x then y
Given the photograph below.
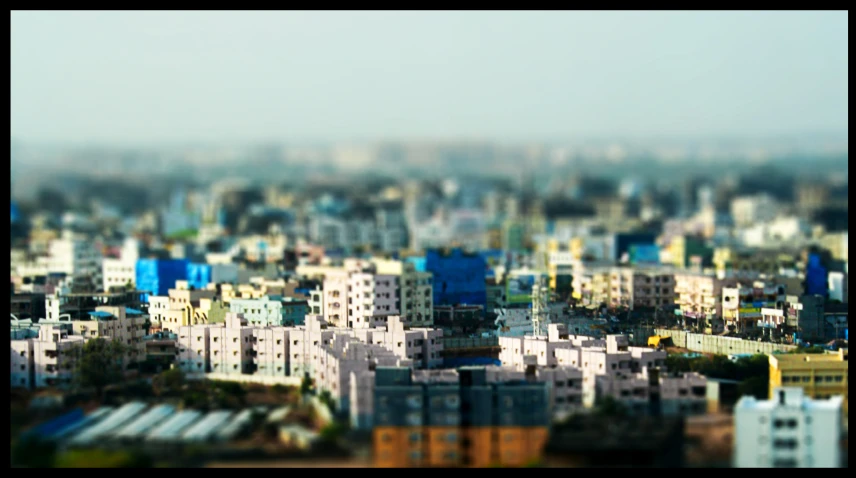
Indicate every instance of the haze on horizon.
{"type": "Point", "coordinates": [150, 77]}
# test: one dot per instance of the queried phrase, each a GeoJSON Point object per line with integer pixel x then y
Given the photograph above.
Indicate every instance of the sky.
{"type": "Point", "coordinates": [154, 77]}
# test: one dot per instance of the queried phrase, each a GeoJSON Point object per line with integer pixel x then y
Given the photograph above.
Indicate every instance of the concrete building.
{"type": "Point", "coordinates": [54, 356]}
{"type": "Point", "coordinates": [749, 210]}
{"type": "Point", "coordinates": [820, 376]}
{"type": "Point", "coordinates": [216, 348]}
{"type": "Point", "coordinates": [75, 257]}
{"type": "Point", "coordinates": [22, 363]}
{"type": "Point", "coordinates": [789, 430]}
{"type": "Point", "coordinates": [416, 304]}
{"type": "Point", "coordinates": [271, 349]}
{"type": "Point", "coordinates": [118, 273]}
{"type": "Point", "coordinates": [805, 315]}
{"type": "Point", "coordinates": [635, 288]}
{"type": "Point", "coordinates": [185, 307]}
{"type": "Point", "coordinates": [699, 297]}
{"type": "Point", "coordinates": [838, 286]}
{"type": "Point", "coordinates": [432, 419]}
{"type": "Point", "coordinates": [258, 312]}
{"type": "Point", "coordinates": [127, 326]}
{"type": "Point", "coordinates": [742, 304]}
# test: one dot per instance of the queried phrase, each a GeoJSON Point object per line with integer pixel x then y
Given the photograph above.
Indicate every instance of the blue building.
{"type": "Point", "coordinates": [816, 277]}
{"type": "Point", "coordinates": [418, 263]}
{"type": "Point", "coordinates": [459, 277]}
{"type": "Point", "coordinates": [158, 276]}
{"type": "Point", "coordinates": [198, 275]}
{"type": "Point", "coordinates": [625, 241]}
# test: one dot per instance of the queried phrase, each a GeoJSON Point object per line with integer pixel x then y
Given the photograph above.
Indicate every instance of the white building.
{"type": "Point", "coordinates": [53, 356]}
{"type": "Point", "coordinates": [127, 326]}
{"type": "Point", "coordinates": [231, 347]}
{"type": "Point", "coordinates": [74, 257]}
{"type": "Point", "coordinates": [750, 210]}
{"type": "Point", "coordinates": [118, 273]}
{"type": "Point", "coordinates": [416, 303]}
{"type": "Point", "coordinates": [270, 347]}
{"type": "Point", "coordinates": [262, 311]}
{"type": "Point", "coordinates": [788, 431]}
{"type": "Point", "coordinates": [22, 361]}
{"type": "Point", "coordinates": [838, 286]}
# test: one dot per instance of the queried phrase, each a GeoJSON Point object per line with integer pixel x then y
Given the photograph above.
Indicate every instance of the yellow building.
{"type": "Point", "coordinates": [819, 375]}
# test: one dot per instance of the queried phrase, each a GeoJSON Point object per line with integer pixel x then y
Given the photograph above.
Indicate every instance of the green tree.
{"type": "Point", "coordinates": [610, 407]}
{"type": "Point", "coordinates": [103, 459]}
{"type": "Point", "coordinates": [99, 363]}
{"type": "Point", "coordinates": [306, 385]}
{"type": "Point", "coordinates": [33, 453]}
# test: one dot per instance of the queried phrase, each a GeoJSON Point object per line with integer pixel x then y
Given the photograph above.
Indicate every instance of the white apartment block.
{"type": "Point", "coordinates": [185, 307]}
{"type": "Point", "coordinates": [316, 303]}
{"type": "Point", "coordinates": [54, 356]}
{"type": "Point", "coordinates": [421, 345]}
{"type": "Point", "coordinates": [127, 326]}
{"type": "Point", "coordinates": [416, 303]}
{"type": "Point", "coordinates": [344, 356]}
{"type": "Point", "coordinates": [77, 258]}
{"type": "Point", "coordinates": [261, 312]}
{"type": "Point", "coordinates": [838, 286]}
{"type": "Point", "coordinates": [788, 431]}
{"type": "Point", "coordinates": [676, 394]}
{"type": "Point", "coordinates": [231, 346]}
{"type": "Point", "coordinates": [371, 299]}
{"type": "Point", "coordinates": [158, 309]}
{"type": "Point", "coordinates": [22, 364]}
{"type": "Point", "coordinates": [742, 305]}
{"type": "Point", "coordinates": [194, 348]}
{"type": "Point", "coordinates": [118, 273]}
{"type": "Point", "coordinates": [270, 351]}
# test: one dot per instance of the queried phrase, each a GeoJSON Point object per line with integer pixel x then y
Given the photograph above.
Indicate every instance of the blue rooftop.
{"type": "Point", "coordinates": [101, 314]}
{"type": "Point", "coordinates": [130, 311]}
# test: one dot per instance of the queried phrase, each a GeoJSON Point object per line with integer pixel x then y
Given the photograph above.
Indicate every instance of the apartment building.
{"type": "Point", "coordinates": [416, 303]}
{"type": "Point", "coordinates": [185, 306]}
{"type": "Point", "coordinates": [431, 419]}
{"type": "Point", "coordinates": [128, 326]}
{"type": "Point", "coordinates": [635, 288]}
{"type": "Point", "coordinates": [805, 315]}
{"type": "Point", "coordinates": [270, 351]}
{"type": "Point", "coordinates": [742, 304]}
{"type": "Point", "coordinates": [54, 356]}
{"type": "Point", "coordinates": [74, 257]}
{"type": "Point", "coordinates": [655, 392]}
{"type": "Point", "coordinates": [699, 296]}
{"type": "Point", "coordinates": [118, 273]}
{"type": "Point", "coordinates": [421, 345]}
{"type": "Point", "coordinates": [231, 347]}
{"type": "Point", "coordinates": [344, 356]}
{"type": "Point", "coordinates": [564, 383]}
{"type": "Point", "coordinates": [216, 348]}
{"type": "Point", "coordinates": [820, 376]}
{"type": "Point", "coordinates": [260, 312]}
{"type": "Point", "coordinates": [790, 430]}
{"type": "Point", "coordinates": [22, 363]}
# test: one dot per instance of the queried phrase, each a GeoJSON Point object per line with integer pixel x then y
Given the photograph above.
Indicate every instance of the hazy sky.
{"type": "Point", "coordinates": [306, 76]}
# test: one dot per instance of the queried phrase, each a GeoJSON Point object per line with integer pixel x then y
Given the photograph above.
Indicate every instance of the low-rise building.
{"type": "Point", "coordinates": [820, 376]}
{"type": "Point", "coordinates": [54, 356]}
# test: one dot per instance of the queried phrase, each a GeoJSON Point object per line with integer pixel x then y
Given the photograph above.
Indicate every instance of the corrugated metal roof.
{"type": "Point", "coordinates": [205, 428]}
{"type": "Point", "coordinates": [138, 427]}
{"type": "Point", "coordinates": [172, 428]}
{"type": "Point", "coordinates": [115, 420]}
{"type": "Point", "coordinates": [234, 427]}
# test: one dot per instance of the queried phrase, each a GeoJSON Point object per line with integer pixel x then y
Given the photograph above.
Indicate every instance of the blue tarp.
{"type": "Point", "coordinates": [418, 263]}
{"type": "Point", "coordinates": [48, 429]}
{"type": "Point", "coordinates": [102, 314]}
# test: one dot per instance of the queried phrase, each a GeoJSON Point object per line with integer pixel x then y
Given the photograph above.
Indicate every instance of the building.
{"type": "Point", "coordinates": [416, 304]}
{"type": "Point", "coordinates": [458, 277]}
{"type": "Point", "coordinates": [750, 210]}
{"type": "Point", "coordinates": [790, 430]}
{"type": "Point", "coordinates": [53, 356]}
{"type": "Point", "coordinates": [358, 298]}
{"type": "Point", "coordinates": [216, 348]}
{"type": "Point", "coordinates": [22, 363]}
{"type": "Point", "coordinates": [838, 286]}
{"type": "Point", "coordinates": [122, 324]}
{"type": "Point", "coordinates": [699, 297]}
{"type": "Point", "coordinates": [74, 257]}
{"type": "Point", "coordinates": [635, 288]}
{"type": "Point", "coordinates": [805, 316]}
{"type": "Point", "coordinates": [742, 305]}
{"type": "Point", "coordinates": [260, 312]}
{"type": "Point", "coordinates": [118, 273]}
{"type": "Point", "coordinates": [186, 306]}
{"type": "Point", "coordinates": [457, 419]}
{"type": "Point", "coordinates": [820, 376]}
{"type": "Point", "coordinates": [158, 276]}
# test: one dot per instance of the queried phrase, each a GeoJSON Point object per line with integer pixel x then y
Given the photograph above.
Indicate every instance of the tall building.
{"type": "Point", "coordinates": [459, 278]}
{"type": "Point", "coordinates": [789, 430]}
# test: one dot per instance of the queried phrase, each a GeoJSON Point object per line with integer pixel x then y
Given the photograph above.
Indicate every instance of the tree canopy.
{"type": "Point", "coordinates": [99, 363]}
